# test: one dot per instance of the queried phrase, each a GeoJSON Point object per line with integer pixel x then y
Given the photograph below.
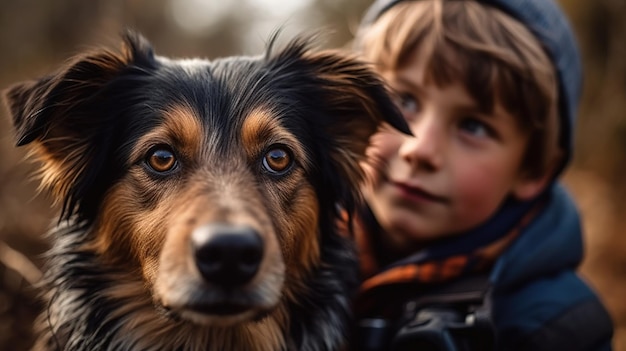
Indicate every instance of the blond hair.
{"type": "Point", "coordinates": [494, 56]}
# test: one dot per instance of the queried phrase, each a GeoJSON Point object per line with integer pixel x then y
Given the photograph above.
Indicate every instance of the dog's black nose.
{"type": "Point", "coordinates": [227, 255]}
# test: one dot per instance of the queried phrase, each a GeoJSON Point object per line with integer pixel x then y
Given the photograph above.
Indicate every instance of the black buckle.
{"type": "Point", "coordinates": [445, 328]}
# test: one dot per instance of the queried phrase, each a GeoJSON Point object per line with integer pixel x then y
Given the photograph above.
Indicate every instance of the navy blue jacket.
{"type": "Point", "coordinates": [534, 297]}
{"type": "Point", "coordinates": [539, 302]}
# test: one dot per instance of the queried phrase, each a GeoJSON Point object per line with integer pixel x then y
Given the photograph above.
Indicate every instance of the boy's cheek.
{"type": "Point", "coordinates": [482, 188]}
{"type": "Point", "coordinates": [385, 143]}
{"type": "Point", "coordinates": [382, 149]}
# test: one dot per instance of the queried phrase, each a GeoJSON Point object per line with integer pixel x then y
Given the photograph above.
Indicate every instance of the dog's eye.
{"type": "Point", "coordinates": [277, 160]}
{"type": "Point", "coordinates": [161, 159]}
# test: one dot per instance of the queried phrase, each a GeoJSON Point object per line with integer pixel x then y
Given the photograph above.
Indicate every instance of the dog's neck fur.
{"type": "Point", "coordinates": [91, 308]}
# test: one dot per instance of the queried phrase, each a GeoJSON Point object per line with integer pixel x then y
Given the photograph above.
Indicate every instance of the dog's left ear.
{"type": "Point", "coordinates": [357, 98]}
{"type": "Point", "coordinates": [356, 89]}
{"type": "Point", "coordinates": [354, 102]}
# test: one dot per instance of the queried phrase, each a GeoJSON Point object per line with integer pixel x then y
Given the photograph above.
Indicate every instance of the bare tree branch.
{"type": "Point", "coordinates": [19, 263]}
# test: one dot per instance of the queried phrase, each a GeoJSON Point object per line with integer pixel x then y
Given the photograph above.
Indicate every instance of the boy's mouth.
{"type": "Point", "coordinates": [418, 193]}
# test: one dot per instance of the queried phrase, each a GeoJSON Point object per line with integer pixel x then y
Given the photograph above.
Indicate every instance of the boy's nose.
{"type": "Point", "coordinates": [424, 150]}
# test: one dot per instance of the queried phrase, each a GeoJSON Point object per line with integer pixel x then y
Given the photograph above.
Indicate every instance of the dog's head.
{"type": "Point", "coordinates": [216, 183]}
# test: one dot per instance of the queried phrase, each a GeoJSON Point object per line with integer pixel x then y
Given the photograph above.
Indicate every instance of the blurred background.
{"type": "Point", "coordinates": [36, 36]}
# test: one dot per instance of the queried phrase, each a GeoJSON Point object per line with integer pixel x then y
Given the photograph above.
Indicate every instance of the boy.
{"type": "Point", "coordinates": [489, 90]}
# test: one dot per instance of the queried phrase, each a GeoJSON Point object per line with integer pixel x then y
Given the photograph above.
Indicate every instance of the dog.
{"type": "Point", "coordinates": [199, 199]}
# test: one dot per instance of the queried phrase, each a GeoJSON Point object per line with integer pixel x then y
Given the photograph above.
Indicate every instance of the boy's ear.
{"type": "Point", "coordinates": [528, 187]}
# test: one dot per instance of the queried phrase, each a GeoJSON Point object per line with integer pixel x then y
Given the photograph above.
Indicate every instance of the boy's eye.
{"type": "Point", "coordinates": [476, 128]}
{"type": "Point", "coordinates": [407, 103]}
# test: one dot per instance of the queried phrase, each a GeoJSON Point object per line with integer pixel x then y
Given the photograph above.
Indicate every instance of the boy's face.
{"type": "Point", "coordinates": [453, 174]}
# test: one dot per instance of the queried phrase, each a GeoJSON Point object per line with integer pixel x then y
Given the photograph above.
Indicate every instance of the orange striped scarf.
{"type": "Point", "coordinates": [427, 272]}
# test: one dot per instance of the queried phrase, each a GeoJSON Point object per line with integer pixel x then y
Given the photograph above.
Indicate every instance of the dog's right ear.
{"type": "Point", "coordinates": [38, 106]}
{"type": "Point", "coordinates": [62, 116]}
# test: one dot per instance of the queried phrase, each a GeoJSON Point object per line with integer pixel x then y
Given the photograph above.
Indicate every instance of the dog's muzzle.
{"type": "Point", "coordinates": [220, 273]}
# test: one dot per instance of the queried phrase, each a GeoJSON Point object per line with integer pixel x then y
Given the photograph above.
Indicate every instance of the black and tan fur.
{"type": "Point", "coordinates": [152, 159]}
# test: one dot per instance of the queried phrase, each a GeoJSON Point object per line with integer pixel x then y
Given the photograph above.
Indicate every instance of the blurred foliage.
{"type": "Point", "coordinates": [601, 139]}
{"type": "Point", "coordinates": [36, 36]}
